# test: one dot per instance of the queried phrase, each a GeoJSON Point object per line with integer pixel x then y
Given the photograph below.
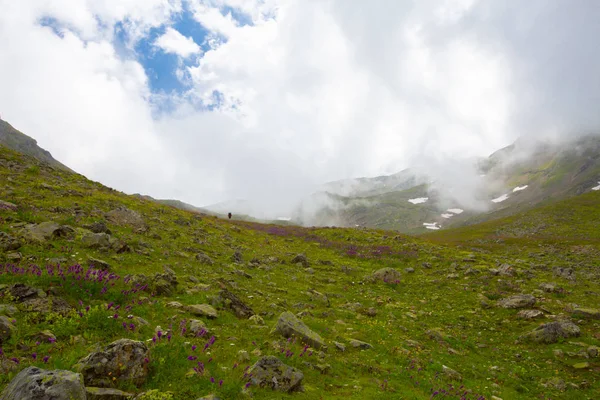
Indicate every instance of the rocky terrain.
{"type": "Point", "coordinates": [109, 296]}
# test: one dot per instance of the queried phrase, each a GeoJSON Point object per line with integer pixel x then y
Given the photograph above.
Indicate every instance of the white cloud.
{"type": "Point", "coordinates": [309, 91]}
{"type": "Point", "coordinates": [172, 41]}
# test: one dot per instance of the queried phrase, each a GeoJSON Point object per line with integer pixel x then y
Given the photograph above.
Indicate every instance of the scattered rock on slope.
{"type": "Point", "coordinates": [8, 242]}
{"type": "Point", "coordinates": [586, 313]}
{"type": "Point", "coordinates": [6, 329]}
{"type": "Point", "coordinates": [37, 384]}
{"type": "Point", "coordinates": [42, 232]}
{"type": "Point", "coordinates": [96, 393]}
{"type": "Point", "coordinates": [271, 372]}
{"type": "Point", "coordinates": [239, 308]}
{"type": "Point", "coordinates": [125, 216]}
{"type": "Point", "coordinates": [388, 275]}
{"type": "Point", "coordinates": [124, 359]}
{"type": "Point", "coordinates": [518, 301]}
{"type": "Point", "coordinates": [552, 332]}
{"type": "Point", "coordinates": [46, 305]}
{"type": "Point", "coordinates": [289, 325]}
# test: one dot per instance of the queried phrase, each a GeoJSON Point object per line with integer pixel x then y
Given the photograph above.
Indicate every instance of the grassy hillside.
{"type": "Point", "coordinates": [434, 331]}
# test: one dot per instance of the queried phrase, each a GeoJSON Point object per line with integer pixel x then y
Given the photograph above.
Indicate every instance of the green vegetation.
{"type": "Point", "coordinates": [435, 332]}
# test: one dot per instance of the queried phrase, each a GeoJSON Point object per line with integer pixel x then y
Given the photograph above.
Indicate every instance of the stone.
{"type": "Point", "coordinates": [98, 264]}
{"type": "Point", "coordinates": [175, 304]}
{"type": "Point", "coordinates": [20, 292]}
{"type": "Point", "coordinates": [593, 351]}
{"type": "Point", "coordinates": [409, 270]}
{"type": "Point", "coordinates": [567, 273]}
{"type": "Point", "coordinates": [125, 216]}
{"type": "Point", "coordinates": [204, 259]}
{"type": "Point", "coordinates": [14, 256]}
{"type": "Point", "coordinates": [96, 240]}
{"type": "Point", "coordinates": [47, 305]}
{"type": "Point", "coordinates": [530, 314]}
{"type": "Point", "coordinates": [239, 308]}
{"type": "Point", "coordinates": [586, 313]}
{"type": "Point", "coordinates": [301, 258]}
{"type": "Point", "coordinates": [506, 270]}
{"type": "Point", "coordinates": [202, 310]}
{"type": "Point", "coordinates": [552, 332]}
{"type": "Point", "coordinates": [340, 346]}
{"type": "Point", "coordinates": [96, 393]}
{"type": "Point", "coordinates": [257, 319]}
{"type": "Point", "coordinates": [121, 362]}
{"type": "Point", "coordinates": [98, 227]}
{"type": "Point", "coordinates": [237, 257]}
{"type": "Point", "coordinates": [8, 242]}
{"type": "Point", "coordinates": [165, 283]}
{"type": "Point", "coordinates": [270, 372]}
{"type": "Point", "coordinates": [388, 275]}
{"type": "Point", "coordinates": [34, 383]}
{"type": "Point", "coordinates": [243, 356]}
{"type": "Point", "coordinates": [45, 336]}
{"type": "Point", "coordinates": [8, 309]}
{"type": "Point", "coordinates": [197, 327]}
{"type": "Point", "coordinates": [39, 233]}
{"type": "Point", "coordinates": [357, 344]}
{"type": "Point", "coordinates": [518, 301]}
{"type": "Point", "coordinates": [451, 374]}
{"type": "Point", "coordinates": [6, 205]}
{"type": "Point", "coordinates": [548, 287]}
{"type": "Point", "coordinates": [6, 329]}
{"type": "Point", "coordinates": [288, 325]}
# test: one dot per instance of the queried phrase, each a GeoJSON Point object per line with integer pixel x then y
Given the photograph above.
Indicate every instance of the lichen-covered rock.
{"type": "Point", "coordinates": [127, 217]}
{"type": "Point", "coordinates": [20, 292]}
{"type": "Point", "coordinates": [6, 329]}
{"type": "Point", "coordinates": [42, 232]}
{"type": "Point", "coordinates": [8, 242]}
{"type": "Point", "coordinates": [552, 332]}
{"type": "Point", "coordinates": [202, 310]}
{"type": "Point", "coordinates": [37, 384]}
{"type": "Point", "coordinates": [98, 264]}
{"type": "Point", "coordinates": [518, 301]}
{"type": "Point", "coordinates": [96, 240]}
{"type": "Point", "coordinates": [204, 259]}
{"type": "Point", "coordinates": [530, 314]}
{"type": "Point", "coordinates": [288, 325]}
{"type": "Point", "coordinates": [98, 227]}
{"type": "Point", "coordinates": [357, 344]}
{"type": "Point", "coordinates": [197, 328]}
{"type": "Point", "coordinates": [301, 258]}
{"type": "Point", "coordinates": [239, 308]}
{"type": "Point", "coordinates": [272, 373]}
{"type": "Point", "coordinates": [46, 305]}
{"type": "Point", "coordinates": [388, 275]}
{"type": "Point", "coordinates": [586, 313]}
{"type": "Point", "coordinates": [123, 361]}
{"type": "Point", "coordinates": [96, 393]}
{"type": "Point", "coordinates": [165, 283]}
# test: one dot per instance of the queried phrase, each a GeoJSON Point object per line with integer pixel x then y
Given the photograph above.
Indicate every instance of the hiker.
{"type": "Point", "coordinates": [229, 215]}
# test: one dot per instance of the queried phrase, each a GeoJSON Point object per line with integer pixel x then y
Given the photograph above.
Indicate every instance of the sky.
{"type": "Point", "coordinates": [212, 100]}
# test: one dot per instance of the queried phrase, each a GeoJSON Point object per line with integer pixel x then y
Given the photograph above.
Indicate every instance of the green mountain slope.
{"type": "Point", "coordinates": [436, 328]}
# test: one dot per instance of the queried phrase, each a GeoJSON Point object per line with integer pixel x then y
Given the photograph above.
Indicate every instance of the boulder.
{"type": "Point", "coordinates": [96, 240]}
{"type": "Point", "coordinates": [586, 313]}
{"type": "Point", "coordinates": [40, 233]}
{"type": "Point", "coordinates": [204, 259]}
{"type": "Point", "coordinates": [6, 329]}
{"type": "Point", "coordinates": [518, 301]}
{"type": "Point", "coordinates": [34, 383]}
{"type": "Point", "coordinates": [47, 305]}
{"type": "Point", "coordinates": [124, 360]}
{"type": "Point", "coordinates": [165, 283]}
{"type": "Point", "coordinates": [552, 332]}
{"type": "Point", "coordinates": [272, 373]}
{"type": "Point", "coordinates": [530, 314]}
{"type": "Point", "coordinates": [388, 275]}
{"type": "Point", "coordinates": [301, 258]}
{"type": "Point", "coordinates": [197, 327]}
{"type": "Point", "coordinates": [20, 292]}
{"type": "Point", "coordinates": [8, 242]}
{"type": "Point", "coordinates": [357, 344]}
{"type": "Point", "coordinates": [567, 273]}
{"type": "Point", "coordinates": [451, 374]}
{"type": "Point", "coordinates": [98, 264]}
{"type": "Point", "coordinates": [237, 257]}
{"type": "Point", "coordinates": [239, 308]}
{"type": "Point", "coordinates": [98, 227]}
{"type": "Point", "coordinates": [126, 217]}
{"type": "Point", "coordinates": [288, 325]}
{"type": "Point", "coordinates": [96, 393]}
{"type": "Point", "coordinates": [202, 310]}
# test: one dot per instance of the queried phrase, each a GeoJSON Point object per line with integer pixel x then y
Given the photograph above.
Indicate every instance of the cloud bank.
{"type": "Point", "coordinates": [287, 94]}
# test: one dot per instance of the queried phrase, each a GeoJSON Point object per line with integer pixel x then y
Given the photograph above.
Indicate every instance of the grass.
{"type": "Point", "coordinates": [430, 319]}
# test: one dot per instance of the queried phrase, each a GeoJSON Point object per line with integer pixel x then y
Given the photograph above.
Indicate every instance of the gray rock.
{"type": "Point", "coordinates": [237, 257]}
{"type": "Point", "coordinates": [272, 373]}
{"type": "Point", "coordinates": [8, 309]}
{"type": "Point", "coordinates": [204, 259]}
{"type": "Point", "coordinates": [239, 308]}
{"type": "Point", "coordinates": [388, 275]}
{"type": "Point", "coordinates": [96, 240]}
{"type": "Point", "coordinates": [506, 270]}
{"type": "Point", "coordinates": [340, 346]}
{"type": "Point", "coordinates": [202, 310]}
{"type": "Point", "coordinates": [409, 270]}
{"type": "Point", "coordinates": [98, 227]}
{"type": "Point", "coordinates": [98, 264]}
{"type": "Point", "coordinates": [197, 327]}
{"type": "Point", "coordinates": [567, 273]}
{"type": "Point", "coordinates": [8, 242]}
{"type": "Point", "coordinates": [6, 205]}
{"type": "Point", "coordinates": [165, 283]}
{"type": "Point", "coordinates": [6, 329]}
{"type": "Point", "coordinates": [530, 314]}
{"type": "Point", "coordinates": [40, 233]}
{"type": "Point", "coordinates": [301, 258]}
{"type": "Point", "coordinates": [451, 374]}
{"type": "Point", "coordinates": [288, 325]}
{"type": "Point", "coordinates": [518, 301]}
{"type": "Point", "coordinates": [46, 305]}
{"type": "Point", "coordinates": [552, 332]}
{"type": "Point", "coordinates": [20, 292]}
{"type": "Point", "coordinates": [548, 287]}
{"type": "Point", "coordinates": [37, 384]}
{"type": "Point", "coordinates": [96, 393]}
{"type": "Point", "coordinates": [358, 344]}
{"type": "Point", "coordinates": [124, 359]}
{"type": "Point", "coordinates": [126, 217]}
{"type": "Point", "coordinates": [586, 313]}
{"type": "Point", "coordinates": [14, 256]}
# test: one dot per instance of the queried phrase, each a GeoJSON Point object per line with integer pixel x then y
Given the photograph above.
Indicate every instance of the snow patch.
{"type": "Point", "coordinates": [431, 225]}
{"type": "Point", "coordinates": [456, 210]}
{"type": "Point", "coordinates": [449, 215]}
{"type": "Point", "coordinates": [596, 187]}
{"type": "Point", "coordinates": [418, 200]}
{"type": "Point", "coordinates": [284, 219]}
{"type": "Point", "coordinates": [519, 188]}
{"type": "Point", "coordinates": [500, 199]}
